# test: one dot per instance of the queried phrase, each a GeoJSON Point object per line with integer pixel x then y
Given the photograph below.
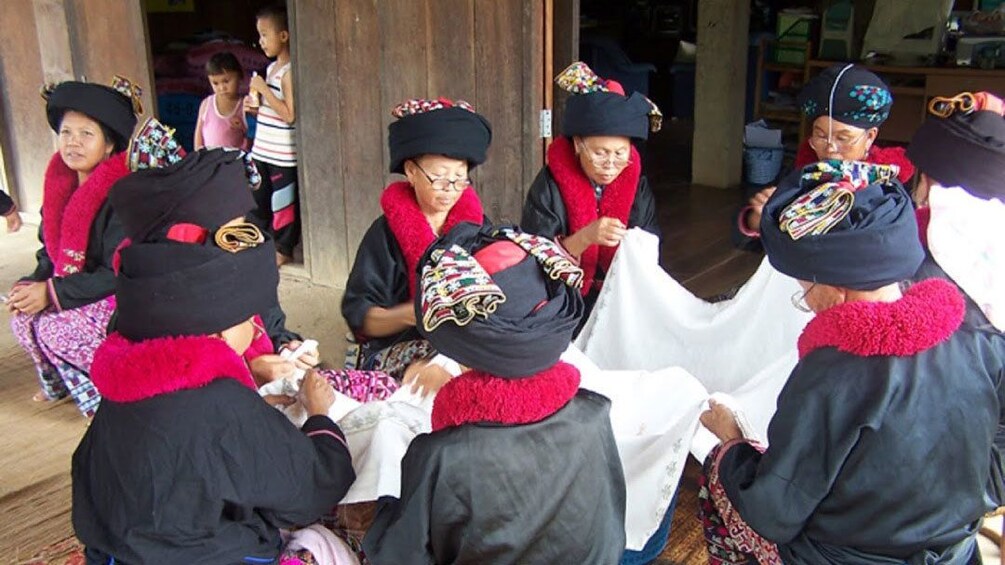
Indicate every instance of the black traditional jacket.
{"type": "Point", "coordinates": [881, 449]}
{"type": "Point", "coordinates": [185, 463]}
{"type": "Point", "coordinates": [516, 471]}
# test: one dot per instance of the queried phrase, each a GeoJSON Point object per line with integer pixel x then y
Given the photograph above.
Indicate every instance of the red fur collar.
{"type": "Point", "coordinates": [924, 216]}
{"type": "Point", "coordinates": [927, 315]}
{"type": "Point", "coordinates": [127, 371]}
{"type": "Point", "coordinates": [877, 155]}
{"type": "Point", "coordinates": [476, 397]}
{"type": "Point", "coordinates": [410, 227]}
{"type": "Point", "coordinates": [581, 202]}
{"type": "Point", "coordinates": [68, 210]}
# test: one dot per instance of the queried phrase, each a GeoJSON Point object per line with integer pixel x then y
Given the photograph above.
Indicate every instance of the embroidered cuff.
{"type": "Point", "coordinates": [323, 426]}
{"type": "Point", "coordinates": [741, 223]}
{"type": "Point", "coordinates": [53, 298]}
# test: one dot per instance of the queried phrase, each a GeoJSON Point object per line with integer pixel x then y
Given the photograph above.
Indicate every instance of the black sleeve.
{"type": "Point", "coordinates": [275, 327]}
{"type": "Point", "coordinates": [43, 264]}
{"type": "Point", "coordinates": [378, 277]}
{"type": "Point", "coordinates": [296, 475]}
{"type": "Point", "coordinates": [741, 241]}
{"type": "Point", "coordinates": [809, 439]}
{"type": "Point", "coordinates": [643, 214]}
{"type": "Point", "coordinates": [401, 529]}
{"type": "Point", "coordinates": [97, 280]}
{"type": "Point", "coordinates": [544, 211]}
{"type": "Point", "coordinates": [6, 204]}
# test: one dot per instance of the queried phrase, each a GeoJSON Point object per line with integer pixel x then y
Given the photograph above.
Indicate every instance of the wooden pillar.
{"type": "Point", "coordinates": [720, 76]}
{"type": "Point", "coordinates": [565, 50]}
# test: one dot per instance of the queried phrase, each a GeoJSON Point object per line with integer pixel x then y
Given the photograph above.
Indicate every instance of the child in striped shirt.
{"type": "Point", "coordinates": [274, 149]}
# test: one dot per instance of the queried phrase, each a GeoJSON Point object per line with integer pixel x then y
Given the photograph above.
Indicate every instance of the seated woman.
{"type": "Point", "coordinates": [891, 411]}
{"type": "Point", "coordinates": [845, 105]}
{"type": "Point", "coordinates": [521, 465]}
{"type": "Point", "coordinates": [212, 471]}
{"type": "Point", "coordinates": [961, 197]}
{"type": "Point", "coordinates": [62, 309]}
{"type": "Point", "coordinates": [435, 144]}
{"type": "Point", "coordinates": [592, 190]}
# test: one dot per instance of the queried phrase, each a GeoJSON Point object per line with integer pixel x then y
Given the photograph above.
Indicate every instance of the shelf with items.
{"type": "Point", "coordinates": [782, 65]}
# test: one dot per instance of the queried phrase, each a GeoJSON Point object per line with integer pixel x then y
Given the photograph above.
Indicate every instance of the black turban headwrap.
{"type": "Point", "coordinates": [102, 103]}
{"type": "Point", "coordinates": [607, 113]}
{"type": "Point", "coordinates": [848, 94]}
{"type": "Point", "coordinates": [517, 330]}
{"type": "Point", "coordinates": [454, 132]}
{"type": "Point", "coordinates": [874, 245]}
{"type": "Point", "coordinates": [174, 278]}
{"type": "Point", "coordinates": [965, 150]}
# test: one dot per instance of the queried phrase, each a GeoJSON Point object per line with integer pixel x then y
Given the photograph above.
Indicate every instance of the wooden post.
{"type": "Point", "coordinates": [53, 40]}
{"type": "Point", "coordinates": [720, 76]}
{"type": "Point", "coordinates": [565, 51]}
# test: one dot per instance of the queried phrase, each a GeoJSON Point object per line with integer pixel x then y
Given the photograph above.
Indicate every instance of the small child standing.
{"type": "Point", "coordinates": [221, 120]}
{"type": "Point", "coordinates": [275, 150]}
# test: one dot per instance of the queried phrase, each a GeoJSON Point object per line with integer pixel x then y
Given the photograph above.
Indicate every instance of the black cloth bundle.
{"type": "Point", "coordinates": [518, 329]}
{"type": "Point", "coordinates": [860, 98]}
{"type": "Point", "coordinates": [102, 103]}
{"type": "Point", "coordinates": [454, 132]}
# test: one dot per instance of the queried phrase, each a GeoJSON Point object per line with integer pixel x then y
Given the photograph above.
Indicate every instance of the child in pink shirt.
{"type": "Point", "coordinates": [221, 120]}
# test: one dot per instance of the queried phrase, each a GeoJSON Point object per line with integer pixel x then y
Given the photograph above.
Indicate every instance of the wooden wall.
{"type": "Point", "coordinates": [356, 59]}
{"type": "Point", "coordinates": [51, 41]}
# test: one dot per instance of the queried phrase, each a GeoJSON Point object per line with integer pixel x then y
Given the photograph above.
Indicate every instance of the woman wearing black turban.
{"type": "Point", "coordinates": [865, 461]}
{"type": "Point", "coordinates": [185, 463]}
{"type": "Point", "coordinates": [592, 189]}
{"type": "Point", "coordinates": [845, 106]}
{"type": "Point", "coordinates": [435, 144]}
{"type": "Point", "coordinates": [62, 308]}
{"type": "Point", "coordinates": [521, 465]}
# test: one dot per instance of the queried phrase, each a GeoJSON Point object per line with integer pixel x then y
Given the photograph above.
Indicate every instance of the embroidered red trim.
{"type": "Point", "coordinates": [927, 314]}
{"type": "Point", "coordinates": [126, 371]}
{"type": "Point", "coordinates": [581, 201]}
{"type": "Point", "coordinates": [411, 229]}
{"type": "Point", "coordinates": [476, 397]}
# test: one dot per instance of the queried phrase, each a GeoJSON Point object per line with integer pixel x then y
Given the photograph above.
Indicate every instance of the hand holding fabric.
{"type": "Point", "coordinates": [306, 360]}
{"type": "Point", "coordinates": [720, 420]}
{"type": "Point", "coordinates": [269, 367]}
{"type": "Point", "coordinates": [425, 376]}
{"type": "Point", "coordinates": [258, 85]}
{"type": "Point", "coordinates": [29, 298]}
{"type": "Point", "coordinates": [317, 394]}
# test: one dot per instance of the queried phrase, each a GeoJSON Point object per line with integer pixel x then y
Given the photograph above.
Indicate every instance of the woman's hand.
{"type": "Point", "coordinates": [268, 368]}
{"type": "Point", "coordinates": [316, 394]}
{"type": "Point", "coordinates": [756, 203]}
{"type": "Point", "coordinates": [382, 322]}
{"type": "Point", "coordinates": [29, 298]}
{"type": "Point", "coordinates": [308, 359]}
{"type": "Point", "coordinates": [278, 400]}
{"type": "Point", "coordinates": [429, 377]}
{"type": "Point", "coordinates": [721, 422]}
{"type": "Point", "coordinates": [604, 231]}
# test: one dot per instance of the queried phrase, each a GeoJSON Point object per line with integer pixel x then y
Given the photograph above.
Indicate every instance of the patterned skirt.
{"type": "Point", "coordinates": [361, 386]}
{"type": "Point", "coordinates": [391, 360]}
{"type": "Point", "coordinates": [729, 539]}
{"type": "Point", "coordinates": [62, 345]}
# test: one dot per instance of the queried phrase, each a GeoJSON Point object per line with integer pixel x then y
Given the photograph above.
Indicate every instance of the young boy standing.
{"type": "Point", "coordinates": [274, 149]}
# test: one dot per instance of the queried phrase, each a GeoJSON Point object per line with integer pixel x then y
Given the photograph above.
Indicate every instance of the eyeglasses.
{"type": "Point", "coordinates": [259, 330]}
{"type": "Point", "coordinates": [799, 299]}
{"type": "Point", "coordinates": [442, 183]}
{"type": "Point", "coordinates": [822, 143]}
{"type": "Point", "coordinates": [601, 160]}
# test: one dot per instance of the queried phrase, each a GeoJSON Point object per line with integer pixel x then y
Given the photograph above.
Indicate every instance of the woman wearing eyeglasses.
{"type": "Point", "coordinates": [434, 144]}
{"type": "Point", "coordinates": [846, 105]}
{"type": "Point", "coordinates": [592, 190]}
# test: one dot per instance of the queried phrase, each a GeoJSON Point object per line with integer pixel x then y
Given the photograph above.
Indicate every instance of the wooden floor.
{"type": "Point", "coordinates": [39, 438]}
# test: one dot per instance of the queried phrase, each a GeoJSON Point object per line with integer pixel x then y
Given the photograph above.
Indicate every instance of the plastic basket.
{"type": "Point", "coordinates": [762, 164]}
